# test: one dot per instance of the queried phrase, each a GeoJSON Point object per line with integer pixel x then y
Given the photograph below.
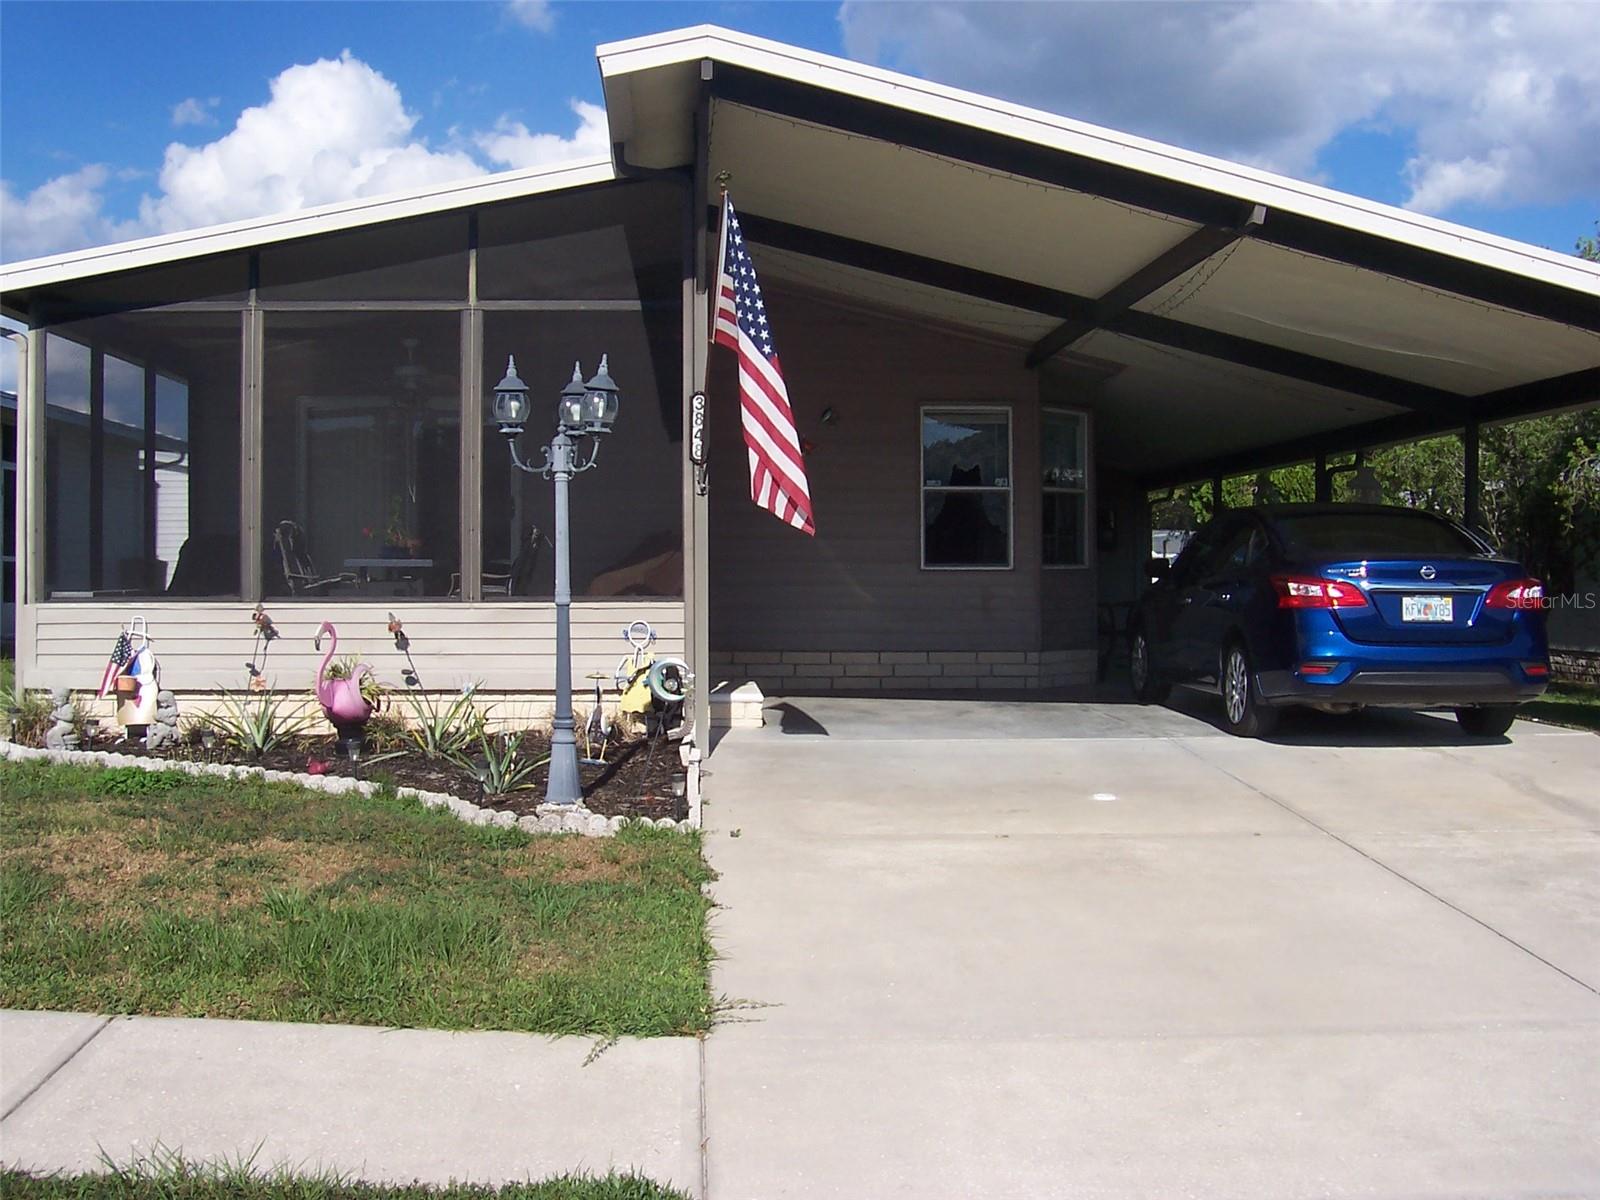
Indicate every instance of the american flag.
{"type": "Point", "coordinates": [777, 468]}
{"type": "Point", "coordinates": [121, 656]}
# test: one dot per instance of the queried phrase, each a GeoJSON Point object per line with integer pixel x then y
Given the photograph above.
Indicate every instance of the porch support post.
{"type": "Point", "coordinates": [97, 468]}
{"type": "Point", "coordinates": [1472, 507]}
{"type": "Point", "coordinates": [696, 353]}
{"type": "Point", "coordinates": [29, 516]}
{"type": "Point", "coordinates": [1216, 495]}
{"type": "Point", "coordinates": [252, 533]}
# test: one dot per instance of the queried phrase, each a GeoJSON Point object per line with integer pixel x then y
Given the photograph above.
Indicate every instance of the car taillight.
{"type": "Point", "coordinates": [1307, 591]}
{"type": "Point", "coordinates": [1516, 593]}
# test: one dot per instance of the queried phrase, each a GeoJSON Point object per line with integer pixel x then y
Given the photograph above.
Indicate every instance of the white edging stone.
{"type": "Point", "coordinates": [576, 819]}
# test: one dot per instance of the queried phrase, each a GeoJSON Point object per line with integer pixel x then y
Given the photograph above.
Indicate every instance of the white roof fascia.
{"type": "Point", "coordinates": [1092, 141]}
{"type": "Point", "coordinates": [328, 218]}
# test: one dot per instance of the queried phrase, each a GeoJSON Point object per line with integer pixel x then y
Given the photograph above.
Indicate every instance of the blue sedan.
{"type": "Point", "coordinates": [1341, 607]}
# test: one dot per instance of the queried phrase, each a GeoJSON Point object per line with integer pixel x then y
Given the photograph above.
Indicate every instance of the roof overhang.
{"type": "Point", "coordinates": [21, 277]}
{"type": "Point", "coordinates": [1290, 311]}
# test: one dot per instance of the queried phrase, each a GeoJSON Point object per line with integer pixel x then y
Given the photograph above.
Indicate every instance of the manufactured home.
{"type": "Point", "coordinates": [1000, 328]}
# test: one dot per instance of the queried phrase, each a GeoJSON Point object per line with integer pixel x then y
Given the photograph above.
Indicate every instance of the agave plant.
{"type": "Point", "coordinates": [444, 730]}
{"type": "Point", "coordinates": [255, 723]}
{"type": "Point", "coordinates": [500, 764]}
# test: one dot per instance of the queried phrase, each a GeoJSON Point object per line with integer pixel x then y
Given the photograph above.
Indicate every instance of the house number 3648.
{"type": "Point", "coordinates": [697, 429]}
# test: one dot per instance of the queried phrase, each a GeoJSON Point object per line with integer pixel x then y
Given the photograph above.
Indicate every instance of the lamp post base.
{"type": "Point", "coordinates": [563, 786]}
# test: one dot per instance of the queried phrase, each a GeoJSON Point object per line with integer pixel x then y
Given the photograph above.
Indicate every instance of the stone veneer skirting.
{"type": "Point", "coordinates": [778, 671]}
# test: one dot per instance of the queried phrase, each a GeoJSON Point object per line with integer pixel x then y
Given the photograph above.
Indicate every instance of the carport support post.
{"type": "Point", "coordinates": [1216, 495]}
{"type": "Point", "coordinates": [1472, 507]}
{"type": "Point", "coordinates": [697, 352]}
{"type": "Point", "coordinates": [1324, 481]}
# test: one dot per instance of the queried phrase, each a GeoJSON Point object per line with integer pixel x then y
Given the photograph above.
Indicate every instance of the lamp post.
{"type": "Point", "coordinates": [583, 410]}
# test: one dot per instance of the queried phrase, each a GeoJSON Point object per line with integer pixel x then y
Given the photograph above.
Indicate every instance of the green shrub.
{"type": "Point", "coordinates": [25, 716]}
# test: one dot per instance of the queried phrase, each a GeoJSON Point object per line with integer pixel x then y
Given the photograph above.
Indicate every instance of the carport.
{"type": "Point", "coordinates": [924, 245]}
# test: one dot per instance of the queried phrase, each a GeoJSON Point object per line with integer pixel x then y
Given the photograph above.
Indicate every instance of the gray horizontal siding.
{"type": "Point", "coordinates": [505, 647]}
{"type": "Point", "coordinates": [859, 585]}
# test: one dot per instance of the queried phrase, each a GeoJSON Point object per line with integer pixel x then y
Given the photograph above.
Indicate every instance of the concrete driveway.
{"type": "Point", "coordinates": [1094, 950]}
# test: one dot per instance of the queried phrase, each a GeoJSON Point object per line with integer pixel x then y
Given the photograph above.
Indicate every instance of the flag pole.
{"type": "Point", "coordinates": [723, 179]}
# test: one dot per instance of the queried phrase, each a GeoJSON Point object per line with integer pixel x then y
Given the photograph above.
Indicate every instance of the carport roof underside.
{"type": "Point", "coordinates": [1245, 319]}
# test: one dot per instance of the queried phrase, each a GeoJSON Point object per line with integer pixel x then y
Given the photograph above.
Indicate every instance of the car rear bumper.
{"type": "Point", "coordinates": [1385, 686]}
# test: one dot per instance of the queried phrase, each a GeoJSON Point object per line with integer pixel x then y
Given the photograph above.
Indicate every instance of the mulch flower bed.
{"type": "Point", "coordinates": [642, 776]}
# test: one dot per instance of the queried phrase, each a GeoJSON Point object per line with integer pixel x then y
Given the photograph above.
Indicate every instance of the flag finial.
{"type": "Point", "coordinates": [724, 178]}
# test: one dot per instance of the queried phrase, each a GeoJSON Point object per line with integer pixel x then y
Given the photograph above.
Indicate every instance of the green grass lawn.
{"type": "Point", "coordinates": [1567, 704]}
{"type": "Point", "coordinates": [124, 891]}
{"type": "Point", "coordinates": [227, 1185]}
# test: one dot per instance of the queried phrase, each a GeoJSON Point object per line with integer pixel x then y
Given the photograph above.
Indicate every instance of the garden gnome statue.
{"type": "Point", "coordinates": [163, 728]}
{"type": "Point", "coordinates": [63, 735]}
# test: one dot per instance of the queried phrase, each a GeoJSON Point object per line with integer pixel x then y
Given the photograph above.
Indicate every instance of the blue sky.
{"type": "Point", "coordinates": [123, 119]}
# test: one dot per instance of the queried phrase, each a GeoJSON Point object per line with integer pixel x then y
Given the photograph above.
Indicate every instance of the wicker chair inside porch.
{"type": "Point", "coordinates": [299, 571]}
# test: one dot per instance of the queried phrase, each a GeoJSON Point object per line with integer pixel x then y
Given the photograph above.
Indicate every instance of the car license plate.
{"type": "Point", "coordinates": [1427, 608]}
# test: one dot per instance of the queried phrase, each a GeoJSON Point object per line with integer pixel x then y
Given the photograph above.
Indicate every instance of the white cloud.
{"type": "Point", "coordinates": [331, 130]}
{"type": "Point", "coordinates": [534, 14]}
{"type": "Point", "coordinates": [511, 145]}
{"type": "Point", "coordinates": [61, 213]}
{"type": "Point", "coordinates": [1501, 101]}
{"type": "Point", "coordinates": [194, 111]}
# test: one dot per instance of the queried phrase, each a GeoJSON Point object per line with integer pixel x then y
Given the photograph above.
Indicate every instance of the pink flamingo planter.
{"type": "Point", "coordinates": [341, 699]}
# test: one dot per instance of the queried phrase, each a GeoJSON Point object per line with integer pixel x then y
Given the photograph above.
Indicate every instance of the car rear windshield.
{"type": "Point", "coordinates": [1371, 535]}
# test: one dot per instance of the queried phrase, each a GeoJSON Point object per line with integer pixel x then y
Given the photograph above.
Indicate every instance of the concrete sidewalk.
{"type": "Point", "coordinates": [390, 1105]}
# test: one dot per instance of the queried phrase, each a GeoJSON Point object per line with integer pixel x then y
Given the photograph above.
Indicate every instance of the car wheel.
{"type": "Point", "coordinates": [1492, 720]}
{"type": "Point", "coordinates": [1242, 709]}
{"type": "Point", "coordinates": [1148, 687]}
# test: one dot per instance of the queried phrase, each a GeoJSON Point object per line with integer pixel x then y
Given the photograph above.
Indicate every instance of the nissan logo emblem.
{"type": "Point", "coordinates": [1428, 572]}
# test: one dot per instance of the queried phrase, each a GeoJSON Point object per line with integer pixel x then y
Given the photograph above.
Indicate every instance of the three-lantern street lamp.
{"type": "Point", "coordinates": [584, 409]}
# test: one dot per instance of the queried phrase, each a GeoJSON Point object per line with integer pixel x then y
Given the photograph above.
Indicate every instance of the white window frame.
{"type": "Point", "coordinates": [923, 487]}
{"type": "Point", "coordinates": [1045, 412]}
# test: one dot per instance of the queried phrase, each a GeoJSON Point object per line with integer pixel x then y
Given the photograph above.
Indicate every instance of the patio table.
{"type": "Point", "coordinates": [363, 567]}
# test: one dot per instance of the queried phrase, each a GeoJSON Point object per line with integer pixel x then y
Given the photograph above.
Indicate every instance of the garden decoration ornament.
{"type": "Point", "coordinates": [266, 634]}
{"type": "Point", "coordinates": [133, 673]}
{"type": "Point", "coordinates": [402, 643]}
{"type": "Point", "coordinates": [344, 702]}
{"type": "Point", "coordinates": [163, 730]}
{"type": "Point", "coordinates": [631, 671]}
{"type": "Point", "coordinates": [63, 734]}
{"type": "Point", "coordinates": [597, 729]}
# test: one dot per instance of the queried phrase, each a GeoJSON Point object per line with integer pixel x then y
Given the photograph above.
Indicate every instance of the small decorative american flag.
{"type": "Point", "coordinates": [777, 468]}
{"type": "Point", "coordinates": [121, 656]}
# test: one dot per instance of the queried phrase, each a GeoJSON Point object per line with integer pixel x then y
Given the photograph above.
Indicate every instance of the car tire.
{"type": "Point", "coordinates": [1242, 711]}
{"type": "Point", "coordinates": [1492, 720]}
{"type": "Point", "coordinates": [1148, 686]}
